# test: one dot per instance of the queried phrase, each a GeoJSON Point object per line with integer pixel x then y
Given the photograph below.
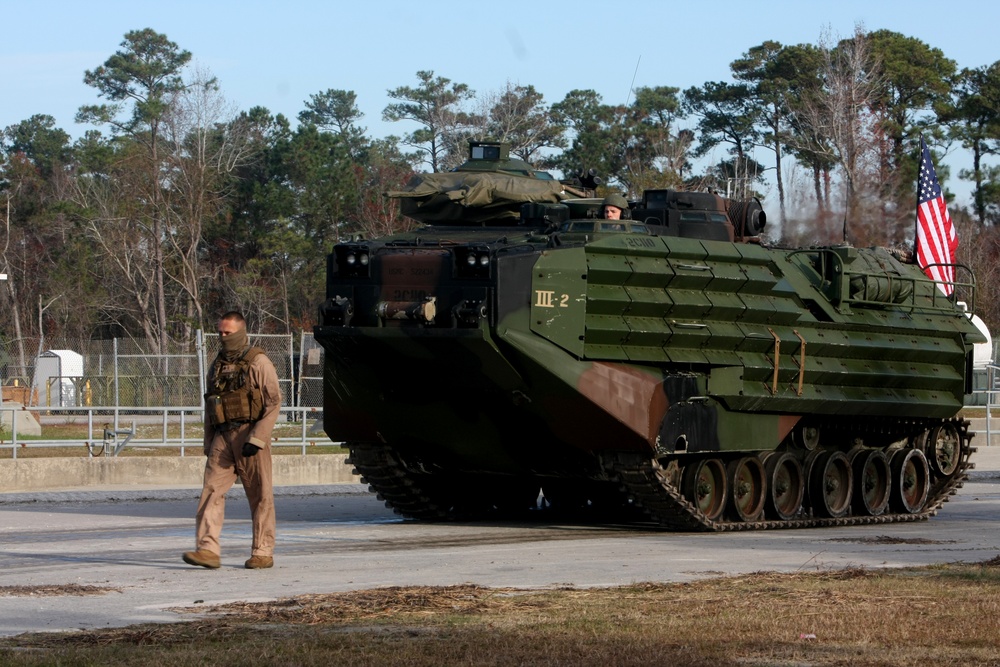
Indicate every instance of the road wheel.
{"type": "Point", "coordinates": [705, 487]}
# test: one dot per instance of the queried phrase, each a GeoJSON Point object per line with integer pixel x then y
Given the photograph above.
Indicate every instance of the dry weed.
{"type": "Point", "coordinates": [53, 590]}
{"type": "Point", "coordinates": [892, 618]}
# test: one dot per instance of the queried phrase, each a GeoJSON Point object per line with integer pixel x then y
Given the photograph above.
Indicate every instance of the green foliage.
{"type": "Point", "coordinates": [131, 229]}
{"type": "Point", "coordinates": [726, 114]}
{"type": "Point", "coordinates": [317, 167]}
{"type": "Point", "coordinates": [990, 196]}
{"type": "Point", "coordinates": [914, 80]}
{"type": "Point", "coordinates": [435, 105]}
{"type": "Point", "coordinates": [145, 72]}
{"type": "Point", "coordinates": [337, 111]}
{"type": "Point", "coordinates": [778, 78]}
{"type": "Point", "coordinates": [598, 142]}
{"type": "Point", "coordinates": [40, 142]}
{"type": "Point", "coordinates": [974, 119]}
{"type": "Point", "coordinates": [656, 152]}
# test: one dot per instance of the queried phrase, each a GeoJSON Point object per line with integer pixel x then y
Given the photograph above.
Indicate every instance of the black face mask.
{"type": "Point", "coordinates": [233, 344]}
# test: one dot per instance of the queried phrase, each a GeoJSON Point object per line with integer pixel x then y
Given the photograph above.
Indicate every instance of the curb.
{"type": "Point", "coordinates": [137, 472]}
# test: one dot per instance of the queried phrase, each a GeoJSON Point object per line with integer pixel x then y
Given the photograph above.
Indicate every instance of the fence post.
{"type": "Point", "coordinates": [302, 360]}
{"type": "Point", "coordinates": [114, 360]}
{"type": "Point", "coordinates": [991, 391]}
{"type": "Point", "coordinates": [291, 369]}
{"type": "Point", "coordinates": [13, 433]}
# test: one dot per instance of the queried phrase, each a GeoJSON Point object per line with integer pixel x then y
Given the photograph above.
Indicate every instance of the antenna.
{"type": "Point", "coordinates": [628, 98]}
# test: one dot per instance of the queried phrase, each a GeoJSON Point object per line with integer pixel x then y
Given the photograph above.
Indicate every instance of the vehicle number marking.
{"type": "Point", "coordinates": [548, 299]}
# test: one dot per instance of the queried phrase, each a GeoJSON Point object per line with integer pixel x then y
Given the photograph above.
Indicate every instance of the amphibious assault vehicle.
{"type": "Point", "coordinates": [519, 351]}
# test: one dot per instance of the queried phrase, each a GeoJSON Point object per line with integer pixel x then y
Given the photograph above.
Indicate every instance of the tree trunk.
{"type": "Point", "coordinates": [818, 187]}
{"type": "Point", "coordinates": [978, 194]}
{"type": "Point", "coordinates": [160, 297]}
{"type": "Point", "coordinates": [16, 316]}
{"type": "Point", "coordinates": [12, 290]}
{"type": "Point", "coordinates": [775, 127]}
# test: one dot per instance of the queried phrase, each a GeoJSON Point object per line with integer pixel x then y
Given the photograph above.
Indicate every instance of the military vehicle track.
{"type": "Point", "coordinates": [649, 486]}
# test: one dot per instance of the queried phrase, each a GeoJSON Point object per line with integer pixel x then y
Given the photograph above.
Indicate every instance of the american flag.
{"type": "Point", "coordinates": [936, 239]}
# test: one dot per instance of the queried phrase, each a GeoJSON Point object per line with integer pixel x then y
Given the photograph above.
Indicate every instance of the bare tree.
{"type": "Point", "coordinates": [517, 115]}
{"type": "Point", "coordinates": [12, 289]}
{"type": "Point", "coordinates": [116, 226]}
{"type": "Point", "coordinates": [384, 169]}
{"type": "Point", "coordinates": [203, 147]}
{"type": "Point", "coordinates": [838, 124]}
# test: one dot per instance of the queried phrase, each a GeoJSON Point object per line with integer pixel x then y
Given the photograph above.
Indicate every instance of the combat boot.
{"type": "Point", "coordinates": [201, 558]}
{"type": "Point", "coordinates": [259, 563]}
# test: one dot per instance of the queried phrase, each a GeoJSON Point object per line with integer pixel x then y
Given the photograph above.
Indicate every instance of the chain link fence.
{"type": "Point", "coordinates": [123, 373]}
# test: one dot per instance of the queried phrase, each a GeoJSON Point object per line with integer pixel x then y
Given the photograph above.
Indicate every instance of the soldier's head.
{"type": "Point", "coordinates": [232, 330]}
{"type": "Point", "coordinates": [230, 323]}
{"type": "Point", "coordinates": [612, 207]}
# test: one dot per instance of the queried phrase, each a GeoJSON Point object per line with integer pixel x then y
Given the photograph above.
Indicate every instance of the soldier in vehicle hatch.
{"type": "Point", "coordinates": [613, 206]}
{"type": "Point", "coordinates": [241, 409]}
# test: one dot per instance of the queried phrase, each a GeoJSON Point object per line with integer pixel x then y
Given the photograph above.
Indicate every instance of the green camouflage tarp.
{"type": "Point", "coordinates": [473, 197]}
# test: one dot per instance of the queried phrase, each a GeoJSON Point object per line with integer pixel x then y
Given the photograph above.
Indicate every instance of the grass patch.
{"type": "Point", "coordinates": [940, 615]}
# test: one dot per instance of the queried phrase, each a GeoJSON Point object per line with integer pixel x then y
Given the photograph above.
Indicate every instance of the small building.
{"type": "Point", "coordinates": [56, 375]}
{"type": "Point", "coordinates": [982, 360]}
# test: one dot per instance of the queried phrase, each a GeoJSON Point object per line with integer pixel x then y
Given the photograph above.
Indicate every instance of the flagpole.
{"type": "Point", "coordinates": [916, 213]}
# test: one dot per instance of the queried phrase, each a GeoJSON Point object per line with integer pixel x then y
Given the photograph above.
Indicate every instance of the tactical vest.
{"type": "Point", "coordinates": [231, 400]}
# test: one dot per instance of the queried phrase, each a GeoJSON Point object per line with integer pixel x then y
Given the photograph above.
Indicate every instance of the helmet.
{"type": "Point", "coordinates": [615, 200]}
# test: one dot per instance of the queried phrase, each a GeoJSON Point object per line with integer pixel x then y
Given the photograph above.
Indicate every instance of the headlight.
{"type": "Point", "coordinates": [352, 260]}
{"type": "Point", "coordinates": [472, 261]}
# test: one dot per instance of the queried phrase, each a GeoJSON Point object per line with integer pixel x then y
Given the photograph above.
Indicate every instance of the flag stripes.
{"type": "Point", "coordinates": [936, 238]}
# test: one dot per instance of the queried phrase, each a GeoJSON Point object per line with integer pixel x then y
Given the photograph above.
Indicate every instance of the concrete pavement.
{"type": "Point", "coordinates": [125, 541]}
{"type": "Point", "coordinates": [110, 563]}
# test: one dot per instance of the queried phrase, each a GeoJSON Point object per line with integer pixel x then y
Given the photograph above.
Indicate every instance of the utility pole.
{"type": "Point", "coordinates": [3, 276]}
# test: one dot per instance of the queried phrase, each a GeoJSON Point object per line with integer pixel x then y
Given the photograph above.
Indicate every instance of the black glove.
{"type": "Point", "coordinates": [250, 450]}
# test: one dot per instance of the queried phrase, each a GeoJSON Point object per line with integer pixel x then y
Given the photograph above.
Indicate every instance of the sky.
{"type": "Point", "coordinates": [278, 54]}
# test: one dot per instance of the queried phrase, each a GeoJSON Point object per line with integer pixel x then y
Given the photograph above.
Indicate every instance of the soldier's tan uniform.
{"type": "Point", "coordinates": [223, 447]}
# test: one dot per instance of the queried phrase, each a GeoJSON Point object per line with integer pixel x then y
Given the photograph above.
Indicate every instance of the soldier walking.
{"type": "Point", "coordinates": [241, 409]}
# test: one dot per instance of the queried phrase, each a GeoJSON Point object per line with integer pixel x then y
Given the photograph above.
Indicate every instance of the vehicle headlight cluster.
{"type": "Point", "coordinates": [473, 261]}
{"type": "Point", "coordinates": [357, 258]}
{"type": "Point", "coordinates": [352, 260]}
{"type": "Point", "coordinates": [480, 259]}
